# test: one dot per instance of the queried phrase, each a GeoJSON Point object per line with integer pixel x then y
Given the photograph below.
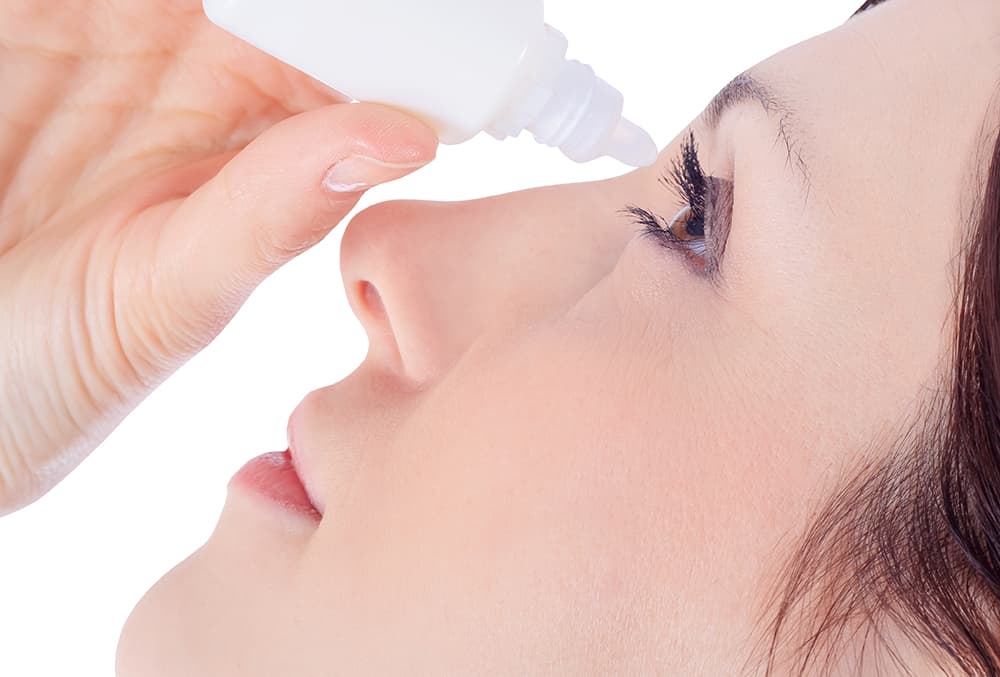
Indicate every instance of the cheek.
{"type": "Point", "coordinates": [523, 498]}
{"type": "Point", "coordinates": [843, 315]}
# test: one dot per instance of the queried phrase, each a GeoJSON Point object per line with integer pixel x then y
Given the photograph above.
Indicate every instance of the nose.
{"type": "Point", "coordinates": [427, 279]}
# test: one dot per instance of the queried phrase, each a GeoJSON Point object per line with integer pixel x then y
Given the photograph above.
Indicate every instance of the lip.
{"type": "Point", "coordinates": [300, 455]}
{"type": "Point", "coordinates": [272, 476]}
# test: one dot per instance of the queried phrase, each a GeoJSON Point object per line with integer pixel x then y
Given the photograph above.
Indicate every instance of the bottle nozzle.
{"type": "Point", "coordinates": [632, 145]}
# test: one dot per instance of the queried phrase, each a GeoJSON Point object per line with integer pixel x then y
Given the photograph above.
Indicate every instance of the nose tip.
{"type": "Point", "coordinates": [387, 269]}
{"type": "Point", "coordinates": [413, 272]}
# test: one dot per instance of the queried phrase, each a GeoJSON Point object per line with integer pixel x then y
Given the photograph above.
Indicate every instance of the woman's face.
{"type": "Point", "coordinates": [570, 450]}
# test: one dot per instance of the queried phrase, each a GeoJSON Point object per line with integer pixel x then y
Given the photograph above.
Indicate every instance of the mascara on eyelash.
{"type": "Point", "coordinates": [708, 202]}
{"type": "Point", "coordinates": [688, 181]}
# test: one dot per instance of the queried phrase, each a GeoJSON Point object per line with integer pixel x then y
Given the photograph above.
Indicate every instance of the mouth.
{"type": "Point", "coordinates": [273, 477]}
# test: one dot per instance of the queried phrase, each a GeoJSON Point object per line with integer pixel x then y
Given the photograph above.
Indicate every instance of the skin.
{"type": "Point", "coordinates": [567, 453]}
{"type": "Point", "coordinates": [135, 219]}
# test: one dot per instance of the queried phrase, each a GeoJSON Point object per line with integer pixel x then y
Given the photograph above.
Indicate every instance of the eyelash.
{"type": "Point", "coordinates": [688, 181]}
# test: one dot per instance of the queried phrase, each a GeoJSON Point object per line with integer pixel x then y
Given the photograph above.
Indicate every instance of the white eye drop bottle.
{"type": "Point", "coordinates": [463, 66]}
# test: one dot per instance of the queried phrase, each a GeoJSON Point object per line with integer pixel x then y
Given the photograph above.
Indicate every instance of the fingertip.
{"type": "Point", "coordinates": [394, 136]}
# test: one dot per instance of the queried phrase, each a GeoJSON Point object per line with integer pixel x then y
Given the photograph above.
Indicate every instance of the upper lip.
{"type": "Point", "coordinates": [331, 426]}
{"type": "Point", "coordinates": [300, 460]}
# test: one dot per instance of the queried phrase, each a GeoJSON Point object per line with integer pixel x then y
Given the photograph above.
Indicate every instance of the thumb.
{"type": "Point", "coordinates": [277, 198]}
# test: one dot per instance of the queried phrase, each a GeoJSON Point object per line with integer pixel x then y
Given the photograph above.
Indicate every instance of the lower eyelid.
{"type": "Point", "coordinates": [690, 253]}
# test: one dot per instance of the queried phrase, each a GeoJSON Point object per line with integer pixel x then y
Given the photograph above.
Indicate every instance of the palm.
{"type": "Point", "coordinates": [104, 93]}
{"type": "Point", "coordinates": [111, 114]}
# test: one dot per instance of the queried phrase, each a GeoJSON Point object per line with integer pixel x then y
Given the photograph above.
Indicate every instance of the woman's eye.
{"type": "Point", "coordinates": [691, 229]}
{"type": "Point", "coordinates": [686, 226]}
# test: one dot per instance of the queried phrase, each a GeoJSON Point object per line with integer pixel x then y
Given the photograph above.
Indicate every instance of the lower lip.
{"type": "Point", "coordinates": [273, 477]}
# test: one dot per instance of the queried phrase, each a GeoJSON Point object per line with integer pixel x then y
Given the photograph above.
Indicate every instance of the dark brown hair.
{"type": "Point", "coordinates": [911, 543]}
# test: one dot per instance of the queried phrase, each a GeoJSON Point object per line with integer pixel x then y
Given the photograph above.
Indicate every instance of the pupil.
{"type": "Point", "coordinates": [695, 227]}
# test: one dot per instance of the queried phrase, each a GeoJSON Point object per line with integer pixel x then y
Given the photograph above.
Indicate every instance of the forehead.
{"type": "Point", "coordinates": [940, 55]}
{"type": "Point", "coordinates": [902, 89]}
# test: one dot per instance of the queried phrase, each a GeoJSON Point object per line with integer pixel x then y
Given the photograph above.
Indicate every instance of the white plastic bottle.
{"type": "Point", "coordinates": [463, 66]}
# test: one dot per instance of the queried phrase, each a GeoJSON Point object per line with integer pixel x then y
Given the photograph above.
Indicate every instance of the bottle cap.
{"type": "Point", "coordinates": [567, 106]}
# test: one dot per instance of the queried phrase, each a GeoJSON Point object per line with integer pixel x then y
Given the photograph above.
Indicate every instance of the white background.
{"type": "Point", "coordinates": [74, 564]}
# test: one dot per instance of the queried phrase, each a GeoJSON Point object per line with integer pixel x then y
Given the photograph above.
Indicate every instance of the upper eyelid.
{"type": "Point", "coordinates": [720, 205]}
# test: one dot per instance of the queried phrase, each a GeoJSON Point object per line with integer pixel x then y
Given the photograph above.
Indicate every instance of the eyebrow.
{"type": "Point", "coordinates": [745, 88]}
{"type": "Point", "coordinates": [868, 5]}
{"type": "Point", "coordinates": [741, 89]}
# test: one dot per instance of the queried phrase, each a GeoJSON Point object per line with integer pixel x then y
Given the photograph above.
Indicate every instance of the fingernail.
{"type": "Point", "coordinates": [358, 172]}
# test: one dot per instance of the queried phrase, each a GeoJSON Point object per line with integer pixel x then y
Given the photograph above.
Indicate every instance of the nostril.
{"type": "Point", "coordinates": [375, 318]}
{"type": "Point", "coordinates": [372, 300]}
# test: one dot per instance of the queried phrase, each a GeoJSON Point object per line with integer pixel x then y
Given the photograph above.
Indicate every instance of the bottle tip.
{"type": "Point", "coordinates": [632, 145]}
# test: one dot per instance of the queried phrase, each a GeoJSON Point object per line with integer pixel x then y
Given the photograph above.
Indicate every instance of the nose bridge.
{"type": "Point", "coordinates": [427, 279]}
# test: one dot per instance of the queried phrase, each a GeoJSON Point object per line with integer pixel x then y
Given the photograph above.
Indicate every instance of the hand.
{"type": "Point", "coordinates": [132, 225]}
